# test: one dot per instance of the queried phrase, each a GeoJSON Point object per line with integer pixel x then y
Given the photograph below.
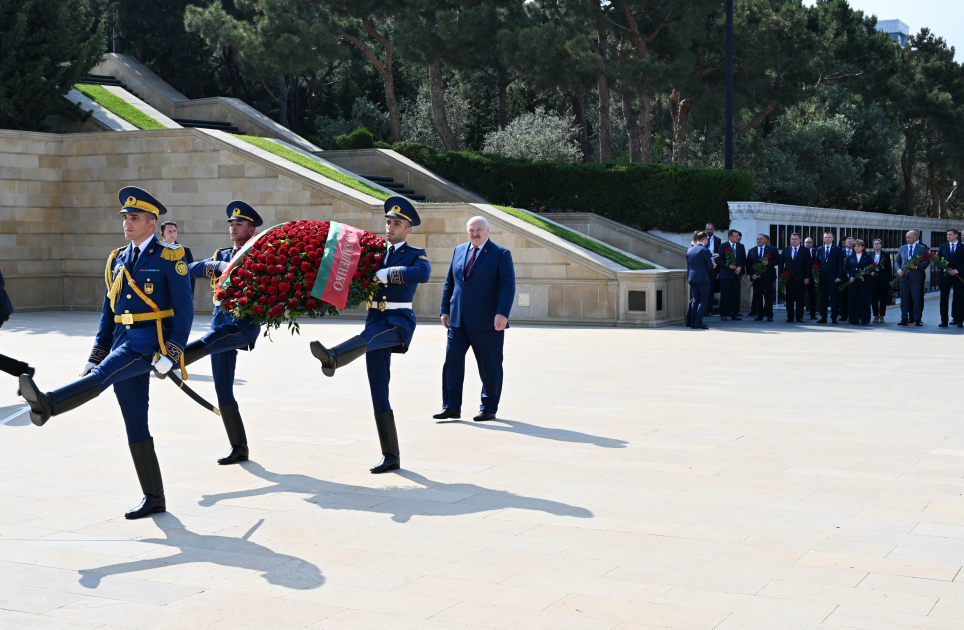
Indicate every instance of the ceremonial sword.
{"type": "Point", "coordinates": [187, 390]}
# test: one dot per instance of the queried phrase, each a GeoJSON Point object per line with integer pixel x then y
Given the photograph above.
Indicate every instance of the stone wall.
{"type": "Point", "coordinates": [58, 221]}
{"type": "Point", "coordinates": [658, 250]}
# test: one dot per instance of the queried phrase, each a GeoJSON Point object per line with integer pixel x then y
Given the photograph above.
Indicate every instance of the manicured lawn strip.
{"type": "Point", "coordinates": [119, 106]}
{"type": "Point", "coordinates": [321, 169]}
{"type": "Point", "coordinates": [578, 239]}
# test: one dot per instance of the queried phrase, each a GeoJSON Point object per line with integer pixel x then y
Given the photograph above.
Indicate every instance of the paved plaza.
{"type": "Point", "coordinates": [756, 475]}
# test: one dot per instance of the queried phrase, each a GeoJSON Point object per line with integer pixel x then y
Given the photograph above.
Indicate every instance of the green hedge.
{"type": "Point", "coordinates": [360, 138]}
{"type": "Point", "coordinates": [119, 106]}
{"type": "Point", "coordinates": [646, 196]}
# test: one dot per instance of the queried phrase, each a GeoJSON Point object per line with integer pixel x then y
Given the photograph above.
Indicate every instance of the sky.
{"type": "Point", "coordinates": [943, 17]}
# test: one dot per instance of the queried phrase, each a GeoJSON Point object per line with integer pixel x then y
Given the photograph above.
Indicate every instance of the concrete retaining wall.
{"type": "Point", "coordinates": [660, 251]}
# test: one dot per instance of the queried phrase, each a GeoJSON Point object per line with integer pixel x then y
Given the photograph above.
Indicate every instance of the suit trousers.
{"type": "Point", "coordinates": [223, 344]}
{"type": "Point", "coordinates": [879, 297]}
{"type": "Point", "coordinates": [378, 361]}
{"type": "Point", "coordinates": [699, 300]}
{"type": "Point", "coordinates": [811, 298]}
{"type": "Point", "coordinates": [11, 366]}
{"type": "Point", "coordinates": [487, 346]}
{"type": "Point", "coordinates": [828, 298]}
{"type": "Point", "coordinates": [911, 300]}
{"type": "Point", "coordinates": [859, 302]}
{"type": "Point", "coordinates": [730, 297]}
{"type": "Point", "coordinates": [957, 305]}
{"type": "Point", "coordinates": [130, 374]}
{"type": "Point", "coordinates": [763, 294]}
{"type": "Point", "coordinates": [795, 297]}
{"type": "Point", "coordinates": [844, 303]}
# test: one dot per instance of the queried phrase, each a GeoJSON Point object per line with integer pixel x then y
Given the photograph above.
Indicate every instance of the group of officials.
{"type": "Point", "coordinates": [847, 282]}
{"type": "Point", "coordinates": [148, 310]}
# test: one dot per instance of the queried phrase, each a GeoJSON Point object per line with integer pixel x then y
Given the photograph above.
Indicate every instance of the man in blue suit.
{"type": "Point", "coordinates": [10, 365]}
{"type": "Point", "coordinates": [227, 334]}
{"type": "Point", "coordinates": [911, 280]}
{"type": "Point", "coordinates": [476, 302]}
{"type": "Point", "coordinates": [389, 327]}
{"type": "Point", "coordinates": [144, 325]}
{"type": "Point", "coordinates": [699, 273]}
{"type": "Point", "coordinates": [831, 261]}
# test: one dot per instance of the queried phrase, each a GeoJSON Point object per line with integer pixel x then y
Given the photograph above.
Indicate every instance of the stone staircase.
{"type": "Point", "coordinates": [391, 184]}
{"type": "Point", "coordinates": [106, 79]}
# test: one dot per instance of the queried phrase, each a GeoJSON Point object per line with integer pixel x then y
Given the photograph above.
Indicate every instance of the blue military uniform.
{"type": "Point", "coordinates": [389, 327]}
{"type": "Point", "coordinates": [147, 313]}
{"type": "Point", "coordinates": [226, 336]}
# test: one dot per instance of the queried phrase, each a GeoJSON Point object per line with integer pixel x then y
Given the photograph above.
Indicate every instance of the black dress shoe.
{"type": "Point", "coordinates": [700, 327]}
{"type": "Point", "coordinates": [758, 318]}
{"type": "Point", "coordinates": [149, 505]}
{"type": "Point", "coordinates": [833, 321]}
{"type": "Point", "coordinates": [237, 454]}
{"type": "Point", "coordinates": [902, 322]}
{"type": "Point", "coordinates": [722, 318]}
{"type": "Point", "coordinates": [918, 323]}
{"type": "Point", "coordinates": [822, 320]}
{"type": "Point", "coordinates": [960, 325]}
{"type": "Point", "coordinates": [340, 355]}
{"type": "Point", "coordinates": [737, 318]}
{"type": "Point", "coordinates": [446, 414]}
{"type": "Point", "coordinates": [43, 406]}
{"type": "Point", "coordinates": [770, 319]}
{"type": "Point", "coordinates": [813, 317]}
{"type": "Point", "coordinates": [389, 462]}
{"type": "Point", "coordinates": [485, 415]}
{"type": "Point", "coordinates": [942, 325]}
{"type": "Point", "coordinates": [800, 319]}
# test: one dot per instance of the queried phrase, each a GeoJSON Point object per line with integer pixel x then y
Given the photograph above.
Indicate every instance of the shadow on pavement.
{"type": "Point", "coordinates": [559, 435]}
{"type": "Point", "coordinates": [431, 499]}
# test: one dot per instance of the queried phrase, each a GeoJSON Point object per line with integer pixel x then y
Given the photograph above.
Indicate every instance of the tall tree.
{"type": "Point", "coordinates": [46, 46]}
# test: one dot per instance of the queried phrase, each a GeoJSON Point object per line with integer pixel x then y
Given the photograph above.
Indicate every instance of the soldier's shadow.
{"type": "Point", "coordinates": [559, 435]}
{"type": "Point", "coordinates": [428, 498]}
{"type": "Point", "coordinates": [276, 568]}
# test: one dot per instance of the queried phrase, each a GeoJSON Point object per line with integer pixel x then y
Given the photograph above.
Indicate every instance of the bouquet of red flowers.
{"type": "Point", "coordinates": [730, 256]}
{"type": "Point", "coordinates": [942, 263]}
{"type": "Point", "coordinates": [784, 279]}
{"type": "Point", "coordinates": [284, 273]}
{"type": "Point", "coordinates": [815, 273]}
{"type": "Point", "coordinates": [761, 267]}
{"type": "Point", "coordinates": [916, 260]}
{"type": "Point", "coordinates": [871, 269]}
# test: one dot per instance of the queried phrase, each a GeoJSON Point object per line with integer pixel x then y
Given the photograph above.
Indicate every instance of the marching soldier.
{"type": "Point", "coordinates": [145, 322]}
{"type": "Point", "coordinates": [227, 334]}
{"type": "Point", "coordinates": [389, 327]}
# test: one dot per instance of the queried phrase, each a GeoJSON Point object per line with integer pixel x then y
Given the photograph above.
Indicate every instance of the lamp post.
{"type": "Point", "coordinates": [728, 134]}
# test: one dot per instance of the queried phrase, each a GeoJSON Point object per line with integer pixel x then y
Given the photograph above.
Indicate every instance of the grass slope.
{"type": "Point", "coordinates": [311, 165]}
{"type": "Point", "coordinates": [577, 239]}
{"type": "Point", "coordinates": [118, 106]}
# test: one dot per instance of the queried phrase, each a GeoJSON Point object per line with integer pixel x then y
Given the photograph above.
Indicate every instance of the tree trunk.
{"type": "Point", "coordinates": [679, 111]}
{"type": "Point", "coordinates": [646, 129]}
{"type": "Point", "coordinates": [389, 82]}
{"type": "Point", "coordinates": [940, 193]}
{"type": "Point", "coordinates": [582, 128]}
{"type": "Point", "coordinates": [907, 167]}
{"type": "Point", "coordinates": [283, 101]}
{"type": "Point", "coordinates": [293, 103]}
{"type": "Point", "coordinates": [238, 87]}
{"type": "Point", "coordinates": [502, 86]}
{"type": "Point", "coordinates": [632, 128]}
{"type": "Point", "coordinates": [439, 120]}
{"type": "Point", "coordinates": [605, 152]}
{"type": "Point", "coordinates": [385, 70]}
{"type": "Point", "coordinates": [935, 212]}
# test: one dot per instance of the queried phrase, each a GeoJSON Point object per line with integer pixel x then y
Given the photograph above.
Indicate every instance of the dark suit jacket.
{"type": "Point", "coordinates": [799, 268]}
{"type": "Point", "coordinates": [716, 243]}
{"type": "Point", "coordinates": [904, 254]}
{"type": "Point", "coordinates": [6, 308]}
{"type": "Point", "coordinates": [489, 290]}
{"type": "Point", "coordinates": [831, 268]}
{"type": "Point", "coordinates": [753, 257]}
{"type": "Point", "coordinates": [699, 264]}
{"type": "Point", "coordinates": [740, 253]}
{"type": "Point", "coordinates": [852, 268]}
{"type": "Point", "coordinates": [957, 260]}
{"type": "Point", "coordinates": [885, 273]}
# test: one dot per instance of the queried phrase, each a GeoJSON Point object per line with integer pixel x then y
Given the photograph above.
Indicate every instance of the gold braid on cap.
{"type": "Point", "coordinates": [140, 204]}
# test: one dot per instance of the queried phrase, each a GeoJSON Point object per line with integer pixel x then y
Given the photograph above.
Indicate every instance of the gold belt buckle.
{"type": "Point", "coordinates": [127, 319]}
{"type": "Point", "coordinates": [382, 305]}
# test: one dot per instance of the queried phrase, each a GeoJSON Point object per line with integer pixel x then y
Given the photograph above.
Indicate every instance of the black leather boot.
{"type": "Point", "coordinates": [195, 351]}
{"type": "Point", "coordinates": [149, 474]}
{"type": "Point", "coordinates": [43, 406]}
{"type": "Point", "coordinates": [14, 367]}
{"type": "Point", "coordinates": [235, 430]}
{"type": "Point", "coordinates": [388, 438]}
{"type": "Point", "coordinates": [340, 355]}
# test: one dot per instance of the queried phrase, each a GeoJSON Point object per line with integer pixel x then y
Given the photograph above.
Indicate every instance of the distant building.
{"type": "Point", "coordinates": [897, 30]}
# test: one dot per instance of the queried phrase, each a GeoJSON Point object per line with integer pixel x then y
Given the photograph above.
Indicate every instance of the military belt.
{"type": "Point", "coordinates": [129, 318]}
{"type": "Point", "coordinates": [390, 306]}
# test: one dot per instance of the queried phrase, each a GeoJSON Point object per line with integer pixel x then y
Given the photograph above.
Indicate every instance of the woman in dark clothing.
{"type": "Point", "coordinates": [859, 288]}
{"type": "Point", "coordinates": [880, 284]}
{"type": "Point", "coordinates": [7, 364]}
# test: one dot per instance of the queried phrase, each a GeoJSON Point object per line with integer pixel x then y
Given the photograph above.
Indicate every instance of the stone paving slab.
{"type": "Point", "coordinates": [756, 475]}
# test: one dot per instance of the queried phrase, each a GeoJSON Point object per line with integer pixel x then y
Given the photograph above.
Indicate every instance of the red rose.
{"type": "Point", "coordinates": [379, 258]}
{"type": "Point", "coordinates": [306, 266]}
{"type": "Point", "coordinates": [243, 301]}
{"type": "Point", "coordinates": [290, 277]}
{"type": "Point", "coordinates": [311, 276]}
{"type": "Point", "coordinates": [282, 260]}
{"type": "Point", "coordinates": [272, 300]}
{"type": "Point", "coordinates": [365, 283]}
{"type": "Point", "coordinates": [219, 295]}
{"type": "Point", "coordinates": [815, 266]}
{"type": "Point", "coordinates": [299, 295]}
{"type": "Point", "coordinates": [785, 274]}
{"type": "Point", "coordinates": [273, 290]}
{"type": "Point", "coordinates": [258, 309]}
{"type": "Point", "coordinates": [229, 292]}
{"type": "Point", "coordinates": [293, 304]}
{"type": "Point", "coordinates": [283, 287]}
{"type": "Point", "coordinates": [311, 304]}
{"type": "Point", "coordinates": [293, 252]}
{"type": "Point", "coordinates": [263, 288]}
{"type": "Point", "coordinates": [262, 300]}
{"type": "Point", "coordinates": [229, 305]}
{"type": "Point", "coordinates": [298, 286]}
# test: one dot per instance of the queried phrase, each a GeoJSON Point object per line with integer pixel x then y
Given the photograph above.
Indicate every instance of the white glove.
{"type": "Point", "coordinates": [87, 368]}
{"type": "Point", "coordinates": [382, 275]}
{"type": "Point", "coordinates": [163, 365]}
{"type": "Point", "coordinates": [223, 266]}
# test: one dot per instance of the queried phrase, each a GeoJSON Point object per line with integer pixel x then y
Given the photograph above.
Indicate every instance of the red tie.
{"type": "Point", "coordinates": [468, 268]}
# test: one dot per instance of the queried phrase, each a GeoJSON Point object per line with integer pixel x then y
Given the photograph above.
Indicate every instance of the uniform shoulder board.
{"type": "Point", "coordinates": [418, 249]}
{"type": "Point", "coordinates": [172, 251]}
{"type": "Point", "coordinates": [223, 249]}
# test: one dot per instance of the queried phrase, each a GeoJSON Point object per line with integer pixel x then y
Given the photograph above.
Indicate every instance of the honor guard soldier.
{"type": "Point", "coordinates": [227, 334]}
{"type": "Point", "coordinates": [389, 325]}
{"type": "Point", "coordinates": [144, 325]}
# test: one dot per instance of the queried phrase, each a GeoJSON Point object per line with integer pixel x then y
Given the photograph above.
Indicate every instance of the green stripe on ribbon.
{"type": "Point", "coordinates": [327, 260]}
